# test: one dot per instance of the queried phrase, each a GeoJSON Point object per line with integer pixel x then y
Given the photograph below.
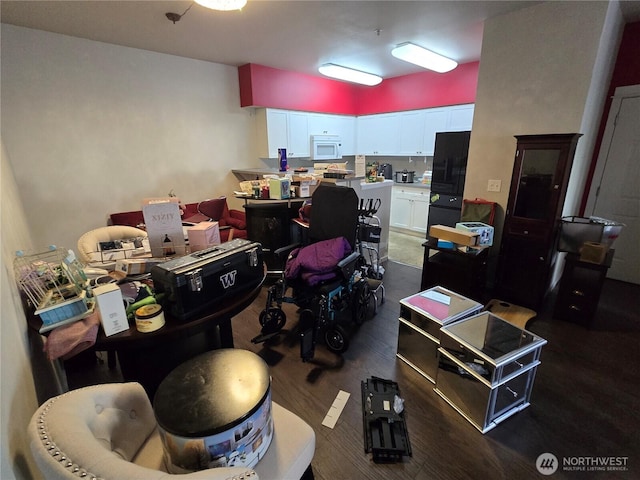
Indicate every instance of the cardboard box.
{"type": "Point", "coordinates": [454, 235]}
{"type": "Point", "coordinates": [111, 306]}
{"type": "Point", "coordinates": [203, 235]}
{"type": "Point", "coordinates": [279, 188]}
{"type": "Point", "coordinates": [485, 231]}
{"type": "Point", "coordinates": [137, 266]}
{"type": "Point", "coordinates": [593, 252]}
{"type": "Point", "coordinates": [306, 188]}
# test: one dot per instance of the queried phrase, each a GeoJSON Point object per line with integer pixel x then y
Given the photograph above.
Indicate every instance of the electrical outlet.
{"type": "Point", "coordinates": [494, 185]}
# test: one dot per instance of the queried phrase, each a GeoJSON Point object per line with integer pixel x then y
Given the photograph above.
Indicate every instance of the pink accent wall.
{"type": "Point", "coordinates": [262, 86]}
{"type": "Point", "coordinates": [626, 72]}
{"type": "Point", "coordinates": [421, 90]}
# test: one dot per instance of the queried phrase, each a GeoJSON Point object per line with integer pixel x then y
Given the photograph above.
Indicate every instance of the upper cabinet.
{"type": "Point", "coordinates": [378, 134]}
{"type": "Point", "coordinates": [388, 134]}
{"type": "Point", "coordinates": [412, 132]}
{"type": "Point", "coordinates": [459, 118]}
{"type": "Point", "coordinates": [282, 129]}
{"type": "Point", "coordinates": [342, 125]}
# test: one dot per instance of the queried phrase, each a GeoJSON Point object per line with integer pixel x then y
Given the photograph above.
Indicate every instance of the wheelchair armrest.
{"type": "Point", "coordinates": [283, 252]}
{"type": "Point", "coordinates": [348, 264]}
{"type": "Point", "coordinates": [348, 259]}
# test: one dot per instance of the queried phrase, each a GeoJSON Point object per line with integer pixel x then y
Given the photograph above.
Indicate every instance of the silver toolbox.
{"type": "Point", "coordinates": [486, 368]}
{"type": "Point", "coordinates": [421, 317]}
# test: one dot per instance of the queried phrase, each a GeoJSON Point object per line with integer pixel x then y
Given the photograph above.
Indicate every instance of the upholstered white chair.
{"type": "Point", "coordinates": [88, 243]}
{"type": "Point", "coordinates": [109, 431]}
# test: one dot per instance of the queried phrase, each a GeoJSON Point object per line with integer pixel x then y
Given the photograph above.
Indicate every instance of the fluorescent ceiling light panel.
{"type": "Point", "coordinates": [349, 75]}
{"type": "Point", "coordinates": [424, 58]}
{"type": "Point", "coordinates": [222, 4]}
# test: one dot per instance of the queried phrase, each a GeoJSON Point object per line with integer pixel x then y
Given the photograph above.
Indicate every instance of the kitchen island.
{"type": "Point", "coordinates": [365, 191]}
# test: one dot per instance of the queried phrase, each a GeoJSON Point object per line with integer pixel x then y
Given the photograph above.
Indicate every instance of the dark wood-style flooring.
{"type": "Point", "coordinates": [585, 400]}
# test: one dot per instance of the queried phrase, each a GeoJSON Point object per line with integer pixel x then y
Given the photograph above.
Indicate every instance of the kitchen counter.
{"type": "Point", "coordinates": [365, 191]}
{"type": "Point", "coordinates": [245, 174]}
{"type": "Point", "coordinates": [412, 185]}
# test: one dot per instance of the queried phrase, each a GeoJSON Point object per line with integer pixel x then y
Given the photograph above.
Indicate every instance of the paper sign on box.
{"type": "Point", "coordinates": [111, 306]}
{"type": "Point", "coordinates": [164, 227]}
{"type": "Point", "coordinates": [360, 165]}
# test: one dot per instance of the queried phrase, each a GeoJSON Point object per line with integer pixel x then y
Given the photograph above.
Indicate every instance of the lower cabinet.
{"type": "Point", "coordinates": [580, 288]}
{"type": "Point", "coordinates": [524, 271]}
{"type": "Point", "coordinates": [410, 208]}
{"type": "Point", "coordinates": [464, 273]}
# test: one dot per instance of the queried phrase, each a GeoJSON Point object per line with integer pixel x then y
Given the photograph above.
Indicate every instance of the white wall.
{"type": "Point", "coordinates": [17, 395]}
{"type": "Point", "coordinates": [89, 129]}
{"type": "Point", "coordinates": [544, 69]}
{"type": "Point", "coordinates": [92, 128]}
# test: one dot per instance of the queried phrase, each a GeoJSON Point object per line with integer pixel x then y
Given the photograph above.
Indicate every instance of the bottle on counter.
{"type": "Point", "coordinates": [282, 157]}
{"type": "Point", "coordinates": [426, 178]}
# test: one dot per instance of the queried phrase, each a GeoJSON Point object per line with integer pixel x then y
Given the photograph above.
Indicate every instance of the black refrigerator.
{"type": "Point", "coordinates": [447, 180]}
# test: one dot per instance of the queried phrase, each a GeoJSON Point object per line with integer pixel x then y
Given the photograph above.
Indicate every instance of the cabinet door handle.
{"type": "Point", "coordinates": [578, 293]}
{"type": "Point", "coordinates": [515, 394]}
{"type": "Point", "coordinates": [575, 308]}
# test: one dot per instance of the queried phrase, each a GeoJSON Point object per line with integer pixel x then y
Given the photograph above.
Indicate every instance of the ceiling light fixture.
{"type": "Point", "coordinates": [412, 53]}
{"type": "Point", "coordinates": [349, 74]}
{"type": "Point", "coordinates": [224, 5]}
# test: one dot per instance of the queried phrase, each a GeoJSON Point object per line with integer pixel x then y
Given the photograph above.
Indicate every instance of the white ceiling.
{"type": "Point", "coordinates": [295, 35]}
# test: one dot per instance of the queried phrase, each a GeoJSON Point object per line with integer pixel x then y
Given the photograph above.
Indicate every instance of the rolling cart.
{"type": "Point", "coordinates": [368, 245]}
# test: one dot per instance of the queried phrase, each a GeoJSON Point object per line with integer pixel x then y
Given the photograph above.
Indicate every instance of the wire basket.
{"type": "Point", "coordinates": [54, 283]}
{"type": "Point", "coordinates": [576, 231]}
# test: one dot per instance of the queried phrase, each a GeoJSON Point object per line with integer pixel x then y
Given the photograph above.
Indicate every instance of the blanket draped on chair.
{"type": "Point", "coordinates": [317, 262]}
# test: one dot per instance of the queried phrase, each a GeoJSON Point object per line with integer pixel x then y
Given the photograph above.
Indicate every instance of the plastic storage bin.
{"type": "Point", "coordinates": [575, 231]}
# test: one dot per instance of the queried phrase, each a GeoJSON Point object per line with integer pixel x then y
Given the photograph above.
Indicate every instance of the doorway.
{"type": "Point", "coordinates": [614, 193]}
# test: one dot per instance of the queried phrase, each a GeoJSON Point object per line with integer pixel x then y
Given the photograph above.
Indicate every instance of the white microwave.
{"type": "Point", "coordinates": [325, 147]}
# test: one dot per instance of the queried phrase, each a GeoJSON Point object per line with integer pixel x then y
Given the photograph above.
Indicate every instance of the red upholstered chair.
{"type": "Point", "coordinates": [233, 223]}
{"type": "Point", "coordinates": [131, 219]}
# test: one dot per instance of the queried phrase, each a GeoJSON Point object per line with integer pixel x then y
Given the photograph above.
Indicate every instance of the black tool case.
{"type": "Point", "coordinates": [196, 282]}
{"type": "Point", "coordinates": [385, 431]}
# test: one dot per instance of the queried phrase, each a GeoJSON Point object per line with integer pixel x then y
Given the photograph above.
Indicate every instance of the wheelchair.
{"type": "Point", "coordinates": [324, 295]}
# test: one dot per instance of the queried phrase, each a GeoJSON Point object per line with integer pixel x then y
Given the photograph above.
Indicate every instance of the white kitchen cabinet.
{"type": "Point", "coordinates": [299, 139]}
{"type": "Point", "coordinates": [409, 208]}
{"type": "Point", "coordinates": [282, 129]}
{"type": "Point", "coordinates": [435, 120]}
{"type": "Point", "coordinates": [411, 135]}
{"type": "Point", "coordinates": [460, 118]}
{"type": "Point", "coordinates": [378, 134]}
{"type": "Point", "coordinates": [389, 134]}
{"type": "Point", "coordinates": [342, 125]}
{"type": "Point", "coordinates": [417, 129]}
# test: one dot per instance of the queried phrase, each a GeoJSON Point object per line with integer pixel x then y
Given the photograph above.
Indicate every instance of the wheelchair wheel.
{"type": "Point", "coordinates": [336, 339]}
{"type": "Point", "coordinates": [272, 320]}
{"type": "Point", "coordinates": [360, 302]}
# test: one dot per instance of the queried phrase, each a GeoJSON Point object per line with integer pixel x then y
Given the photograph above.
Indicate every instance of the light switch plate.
{"type": "Point", "coordinates": [494, 185]}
